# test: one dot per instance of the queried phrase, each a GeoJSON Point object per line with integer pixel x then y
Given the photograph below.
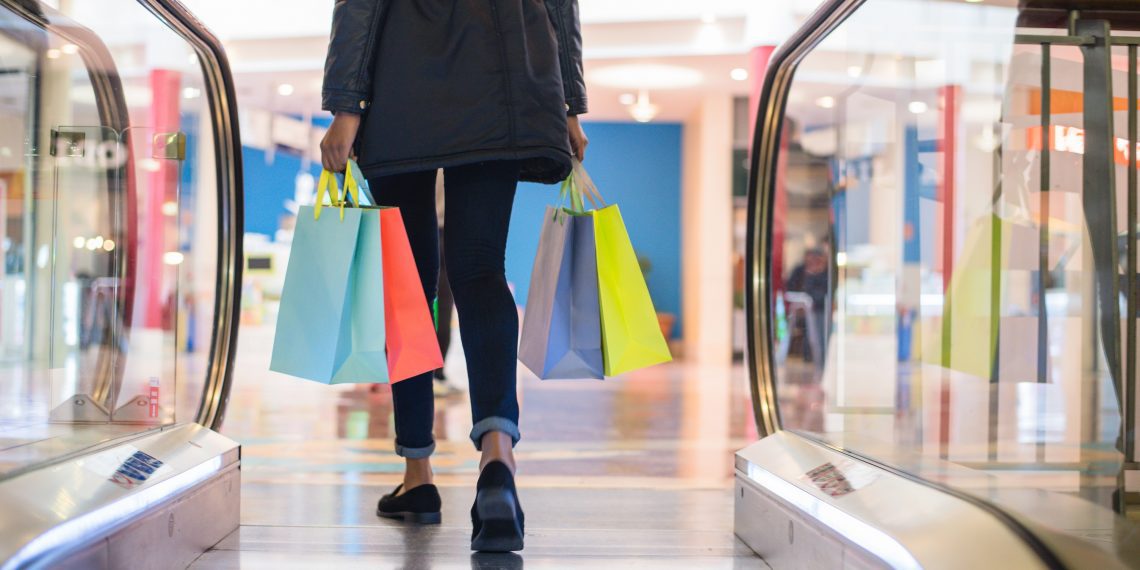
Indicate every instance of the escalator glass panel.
{"type": "Point", "coordinates": [108, 215]}
{"type": "Point", "coordinates": [940, 258]}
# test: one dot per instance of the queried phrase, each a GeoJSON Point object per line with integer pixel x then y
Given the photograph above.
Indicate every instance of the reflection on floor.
{"type": "Point", "coordinates": [633, 471]}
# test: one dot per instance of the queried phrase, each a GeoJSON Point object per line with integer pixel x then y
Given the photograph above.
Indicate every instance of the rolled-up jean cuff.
{"type": "Point", "coordinates": [415, 452]}
{"type": "Point", "coordinates": [494, 423]}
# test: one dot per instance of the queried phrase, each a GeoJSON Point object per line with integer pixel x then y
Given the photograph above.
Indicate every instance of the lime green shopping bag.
{"type": "Point", "coordinates": [631, 333]}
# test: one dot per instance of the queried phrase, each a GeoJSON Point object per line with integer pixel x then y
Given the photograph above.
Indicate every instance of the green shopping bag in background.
{"type": "Point", "coordinates": [330, 325]}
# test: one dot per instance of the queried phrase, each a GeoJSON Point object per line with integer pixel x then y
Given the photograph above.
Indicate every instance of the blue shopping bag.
{"type": "Point", "coordinates": [330, 325]}
{"type": "Point", "coordinates": [561, 332]}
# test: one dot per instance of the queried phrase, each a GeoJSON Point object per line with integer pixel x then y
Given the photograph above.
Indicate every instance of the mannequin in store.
{"type": "Point", "coordinates": [490, 92]}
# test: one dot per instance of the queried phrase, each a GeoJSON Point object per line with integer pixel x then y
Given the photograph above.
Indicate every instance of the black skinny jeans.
{"type": "Point", "coordinates": [479, 198]}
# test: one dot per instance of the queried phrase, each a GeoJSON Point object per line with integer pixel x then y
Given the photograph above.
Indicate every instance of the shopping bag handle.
{"type": "Point", "coordinates": [331, 184]}
{"type": "Point", "coordinates": [579, 185]}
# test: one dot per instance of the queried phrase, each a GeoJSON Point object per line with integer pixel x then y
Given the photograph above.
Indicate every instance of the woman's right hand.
{"type": "Point", "coordinates": [578, 140]}
{"type": "Point", "coordinates": [336, 147]}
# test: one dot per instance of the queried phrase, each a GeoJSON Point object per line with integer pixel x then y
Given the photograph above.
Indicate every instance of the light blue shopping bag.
{"type": "Point", "coordinates": [330, 325]}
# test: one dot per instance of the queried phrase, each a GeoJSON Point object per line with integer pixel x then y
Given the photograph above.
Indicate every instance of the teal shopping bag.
{"type": "Point", "coordinates": [330, 324]}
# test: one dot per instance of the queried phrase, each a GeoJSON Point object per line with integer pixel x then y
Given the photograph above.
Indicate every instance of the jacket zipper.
{"type": "Point", "coordinates": [506, 74]}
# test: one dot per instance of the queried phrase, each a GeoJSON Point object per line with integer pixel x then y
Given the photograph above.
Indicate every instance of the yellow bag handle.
{"type": "Point", "coordinates": [328, 184]}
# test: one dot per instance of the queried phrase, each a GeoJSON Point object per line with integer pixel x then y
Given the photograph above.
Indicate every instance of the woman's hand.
{"type": "Point", "coordinates": [578, 140]}
{"type": "Point", "coordinates": [336, 147]}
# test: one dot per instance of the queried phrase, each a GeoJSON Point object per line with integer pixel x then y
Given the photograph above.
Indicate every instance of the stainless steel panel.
{"type": "Point", "coordinates": [53, 510]}
{"type": "Point", "coordinates": [889, 516]}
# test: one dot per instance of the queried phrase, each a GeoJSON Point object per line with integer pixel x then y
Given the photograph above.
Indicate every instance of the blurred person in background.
{"type": "Point", "coordinates": [810, 279]}
{"type": "Point", "coordinates": [491, 93]}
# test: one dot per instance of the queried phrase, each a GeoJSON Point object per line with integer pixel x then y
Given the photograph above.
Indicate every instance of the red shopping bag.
{"type": "Point", "coordinates": [412, 345]}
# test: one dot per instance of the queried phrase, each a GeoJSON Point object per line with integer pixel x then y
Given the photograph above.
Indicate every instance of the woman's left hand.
{"type": "Point", "coordinates": [578, 140]}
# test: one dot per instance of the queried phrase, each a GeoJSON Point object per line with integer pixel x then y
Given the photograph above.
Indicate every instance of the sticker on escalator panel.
{"type": "Point", "coordinates": [839, 480]}
{"type": "Point", "coordinates": [127, 467]}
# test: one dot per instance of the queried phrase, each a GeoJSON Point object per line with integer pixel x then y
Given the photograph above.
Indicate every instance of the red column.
{"type": "Point", "coordinates": [162, 186]}
{"type": "Point", "coordinates": [947, 147]}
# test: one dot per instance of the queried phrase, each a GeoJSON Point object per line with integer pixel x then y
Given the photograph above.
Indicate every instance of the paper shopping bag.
{"type": "Point", "coordinates": [561, 331]}
{"type": "Point", "coordinates": [412, 345]}
{"type": "Point", "coordinates": [330, 324]}
{"type": "Point", "coordinates": [631, 333]}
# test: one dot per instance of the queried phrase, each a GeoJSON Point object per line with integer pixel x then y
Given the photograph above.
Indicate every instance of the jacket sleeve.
{"type": "Point", "coordinates": [348, 67]}
{"type": "Point", "coordinates": [568, 31]}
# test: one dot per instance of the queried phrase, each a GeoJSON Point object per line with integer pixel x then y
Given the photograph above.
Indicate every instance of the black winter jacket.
{"type": "Point", "coordinates": [449, 82]}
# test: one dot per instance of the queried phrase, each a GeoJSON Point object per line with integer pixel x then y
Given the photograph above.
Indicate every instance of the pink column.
{"type": "Point", "coordinates": [162, 186]}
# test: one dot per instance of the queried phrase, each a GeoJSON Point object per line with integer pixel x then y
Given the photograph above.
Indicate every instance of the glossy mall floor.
{"type": "Point", "coordinates": [631, 472]}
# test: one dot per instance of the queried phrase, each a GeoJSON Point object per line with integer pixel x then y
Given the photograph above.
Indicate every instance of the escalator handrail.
{"type": "Point", "coordinates": [762, 183]}
{"type": "Point", "coordinates": [222, 97]}
{"type": "Point", "coordinates": [758, 294]}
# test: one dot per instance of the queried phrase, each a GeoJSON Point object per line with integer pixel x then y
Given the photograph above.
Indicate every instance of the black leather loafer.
{"type": "Point", "coordinates": [419, 505]}
{"type": "Point", "coordinates": [496, 517]}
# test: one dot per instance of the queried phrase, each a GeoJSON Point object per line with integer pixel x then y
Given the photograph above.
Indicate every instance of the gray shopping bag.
{"type": "Point", "coordinates": [561, 332]}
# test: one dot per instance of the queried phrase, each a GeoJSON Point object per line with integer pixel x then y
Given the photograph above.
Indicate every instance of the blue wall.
{"type": "Point", "coordinates": [638, 167]}
{"type": "Point", "coordinates": [268, 186]}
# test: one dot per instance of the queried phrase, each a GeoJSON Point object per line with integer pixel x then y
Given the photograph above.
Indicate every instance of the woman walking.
{"type": "Point", "coordinates": [490, 91]}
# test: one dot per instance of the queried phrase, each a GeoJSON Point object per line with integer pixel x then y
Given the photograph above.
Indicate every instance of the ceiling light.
{"type": "Point", "coordinates": [826, 102]}
{"type": "Point", "coordinates": [70, 49]}
{"type": "Point", "coordinates": [170, 209]}
{"type": "Point", "coordinates": [285, 89]}
{"type": "Point", "coordinates": [108, 245]}
{"type": "Point", "coordinates": [739, 74]}
{"type": "Point", "coordinates": [53, 53]}
{"type": "Point", "coordinates": [917, 107]}
{"type": "Point", "coordinates": [191, 93]}
{"type": "Point", "coordinates": [854, 71]}
{"type": "Point", "coordinates": [643, 111]}
{"type": "Point", "coordinates": [627, 99]}
{"type": "Point", "coordinates": [974, 1]}
{"type": "Point", "coordinates": [173, 257]}
{"type": "Point", "coordinates": [646, 76]}
{"type": "Point", "coordinates": [79, 242]}
{"type": "Point", "coordinates": [708, 18]}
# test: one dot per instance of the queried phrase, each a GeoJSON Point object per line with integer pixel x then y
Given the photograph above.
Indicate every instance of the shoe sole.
{"type": "Point", "coordinates": [501, 531]}
{"type": "Point", "coordinates": [416, 518]}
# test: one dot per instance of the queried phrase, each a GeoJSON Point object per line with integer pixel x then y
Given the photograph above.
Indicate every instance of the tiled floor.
{"type": "Point", "coordinates": [630, 472]}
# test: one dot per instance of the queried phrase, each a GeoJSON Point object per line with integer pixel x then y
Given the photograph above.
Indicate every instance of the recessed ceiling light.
{"type": "Point", "coordinates": [70, 49]}
{"type": "Point", "coordinates": [285, 89]}
{"type": "Point", "coordinates": [191, 93]}
{"type": "Point", "coordinates": [826, 102]}
{"type": "Point", "coordinates": [53, 53]}
{"type": "Point", "coordinates": [854, 71]}
{"type": "Point", "coordinates": [739, 74]}
{"type": "Point", "coordinates": [974, 1]}
{"type": "Point", "coordinates": [646, 76]}
{"type": "Point", "coordinates": [918, 107]}
{"type": "Point", "coordinates": [627, 98]}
